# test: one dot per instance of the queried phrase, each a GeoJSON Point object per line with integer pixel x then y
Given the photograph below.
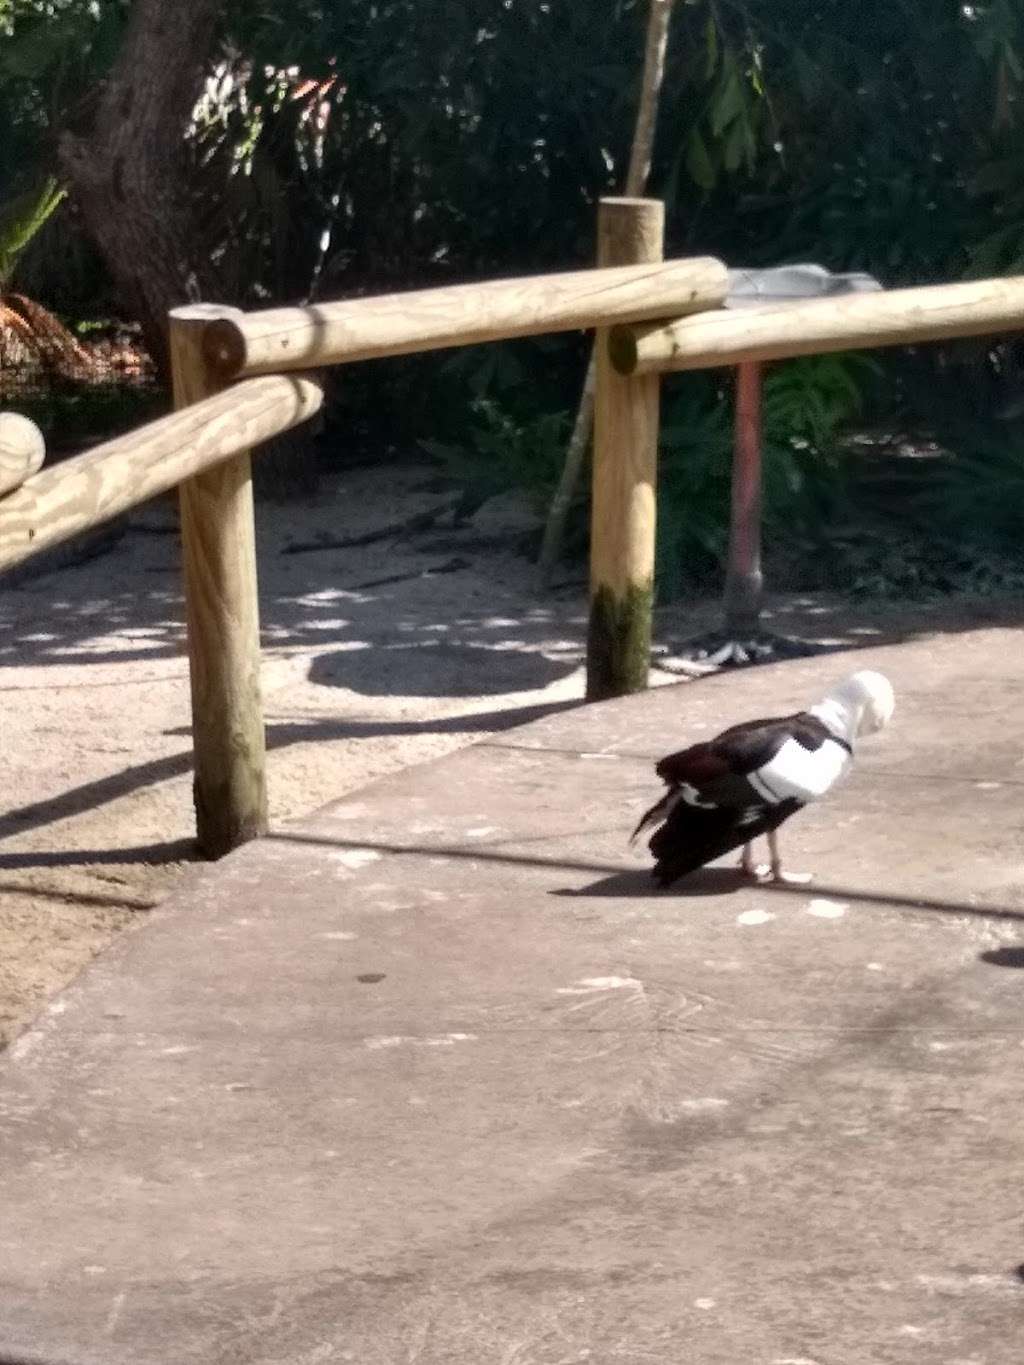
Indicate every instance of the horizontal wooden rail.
{"type": "Point", "coordinates": [111, 478]}
{"type": "Point", "coordinates": [458, 315]}
{"type": "Point", "coordinates": [22, 450]}
{"type": "Point", "coordinates": [889, 318]}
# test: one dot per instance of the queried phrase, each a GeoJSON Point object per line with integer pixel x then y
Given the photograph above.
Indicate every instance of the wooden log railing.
{"type": "Point", "coordinates": [22, 450]}
{"type": "Point", "coordinates": [650, 315]}
{"type": "Point", "coordinates": [459, 315]}
{"type": "Point", "coordinates": [231, 396]}
{"type": "Point", "coordinates": [892, 317]}
{"type": "Point", "coordinates": [81, 493]}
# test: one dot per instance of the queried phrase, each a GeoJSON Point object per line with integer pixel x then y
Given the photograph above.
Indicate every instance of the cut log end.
{"type": "Point", "coordinates": [622, 349]}
{"type": "Point", "coordinates": [639, 285]}
{"type": "Point", "coordinates": [224, 348]}
{"type": "Point", "coordinates": [22, 450]}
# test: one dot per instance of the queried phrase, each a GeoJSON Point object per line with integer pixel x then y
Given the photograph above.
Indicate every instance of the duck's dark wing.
{"type": "Point", "coordinates": [719, 796]}
{"type": "Point", "coordinates": [695, 835]}
{"type": "Point", "coordinates": [740, 749]}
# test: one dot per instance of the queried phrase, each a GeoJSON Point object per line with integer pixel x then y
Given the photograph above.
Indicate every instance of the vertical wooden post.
{"type": "Point", "coordinates": [629, 231]}
{"type": "Point", "coordinates": [744, 581]}
{"type": "Point", "coordinates": [222, 609]}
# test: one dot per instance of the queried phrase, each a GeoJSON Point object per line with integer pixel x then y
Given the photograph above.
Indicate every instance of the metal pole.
{"type": "Point", "coordinates": [744, 580]}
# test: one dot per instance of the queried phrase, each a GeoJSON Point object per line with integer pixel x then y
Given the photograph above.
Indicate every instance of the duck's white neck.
{"type": "Point", "coordinates": [838, 718]}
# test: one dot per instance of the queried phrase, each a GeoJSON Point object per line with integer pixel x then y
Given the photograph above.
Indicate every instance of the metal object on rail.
{"type": "Point", "coordinates": [741, 640]}
{"type": "Point", "coordinates": [819, 325]}
{"type": "Point", "coordinates": [777, 283]}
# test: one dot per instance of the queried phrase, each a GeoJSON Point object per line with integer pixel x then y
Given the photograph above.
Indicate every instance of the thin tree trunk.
{"type": "Point", "coordinates": [125, 172]}
{"type": "Point", "coordinates": [658, 18]}
{"type": "Point", "coordinates": [558, 512]}
{"type": "Point", "coordinates": [640, 155]}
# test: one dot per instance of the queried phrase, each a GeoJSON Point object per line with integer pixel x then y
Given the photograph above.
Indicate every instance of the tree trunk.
{"type": "Point", "coordinates": [659, 16]}
{"type": "Point", "coordinates": [125, 172]}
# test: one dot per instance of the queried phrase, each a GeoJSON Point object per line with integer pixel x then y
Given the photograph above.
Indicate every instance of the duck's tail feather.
{"type": "Point", "coordinates": [660, 811]}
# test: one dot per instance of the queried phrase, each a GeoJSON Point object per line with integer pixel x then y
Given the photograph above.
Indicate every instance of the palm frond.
{"type": "Point", "coordinates": [20, 219]}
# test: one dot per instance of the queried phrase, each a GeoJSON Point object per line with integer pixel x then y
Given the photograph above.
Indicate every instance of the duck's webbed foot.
{"type": "Point", "coordinates": [776, 873]}
{"type": "Point", "coordinates": [757, 872]}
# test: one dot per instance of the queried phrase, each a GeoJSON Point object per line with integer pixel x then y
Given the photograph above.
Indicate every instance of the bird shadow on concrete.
{"type": "Point", "coordinates": [723, 881]}
{"type": "Point", "coordinates": [1007, 956]}
{"type": "Point", "coordinates": [706, 881]}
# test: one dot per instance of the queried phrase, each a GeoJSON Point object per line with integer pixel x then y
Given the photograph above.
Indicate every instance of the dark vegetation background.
{"type": "Point", "coordinates": [260, 152]}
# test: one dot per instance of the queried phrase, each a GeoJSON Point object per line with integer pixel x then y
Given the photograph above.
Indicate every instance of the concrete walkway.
{"type": "Point", "coordinates": [434, 1077]}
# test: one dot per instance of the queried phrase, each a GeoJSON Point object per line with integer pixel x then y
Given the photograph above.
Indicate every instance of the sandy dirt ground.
{"type": "Point", "coordinates": [375, 657]}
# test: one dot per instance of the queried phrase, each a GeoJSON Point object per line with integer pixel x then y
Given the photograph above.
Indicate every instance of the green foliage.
{"type": "Point", "coordinates": [352, 148]}
{"type": "Point", "coordinates": [977, 493]}
{"type": "Point", "coordinates": [340, 147]}
{"type": "Point", "coordinates": [73, 417]}
{"type": "Point", "coordinates": [694, 476]}
{"type": "Point", "coordinates": [369, 143]}
{"type": "Point", "coordinates": [345, 148]}
{"type": "Point", "coordinates": [805, 405]}
{"type": "Point", "coordinates": [806, 401]}
{"type": "Point", "coordinates": [869, 123]}
{"type": "Point", "coordinates": [725, 136]}
{"type": "Point", "coordinates": [920, 522]}
{"type": "Point", "coordinates": [20, 219]}
{"type": "Point", "coordinates": [53, 53]}
{"type": "Point", "coordinates": [502, 453]}
{"type": "Point", "coordinates": [892, 560]}
{"type": "Point", "coordinates": [998, 186]}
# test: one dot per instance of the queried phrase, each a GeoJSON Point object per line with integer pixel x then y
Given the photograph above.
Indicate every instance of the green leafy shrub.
{"type": "Point", "coordinates": [73, 417]}
{"type": "Point", "coordinates": [21, 219]}
{"type": "Point", "coordinates": [945, 517]}
{"type": "Point", "coordinates": [502, 452]}
{"type": "Point", "coordinates": [694, 474]}
{"type": "Point", "coordinates": [977, 493]}
{"type": "Point", "coordinates": [806, 403]}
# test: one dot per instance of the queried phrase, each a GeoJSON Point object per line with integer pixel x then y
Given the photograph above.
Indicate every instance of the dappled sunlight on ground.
{"type": "Point", "coordinates": [375, 657]}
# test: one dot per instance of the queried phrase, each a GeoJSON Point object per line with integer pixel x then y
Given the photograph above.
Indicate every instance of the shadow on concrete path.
{"type": "Point", "coordinates": [619, 883]}
{"type": "Point", "coordinates": [136, 776]}
{"type": "Point", "coordinates": [719, 881]}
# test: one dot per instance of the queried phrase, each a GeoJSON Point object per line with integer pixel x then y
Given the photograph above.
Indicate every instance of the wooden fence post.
{"type": "Point", "coordinates": [629, 231]}
{"type": "Point", "coordinates": [222, 609]}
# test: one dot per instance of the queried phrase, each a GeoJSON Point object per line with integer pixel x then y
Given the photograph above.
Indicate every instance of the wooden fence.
{"type": "Point", "coordinates": [242, 378]}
